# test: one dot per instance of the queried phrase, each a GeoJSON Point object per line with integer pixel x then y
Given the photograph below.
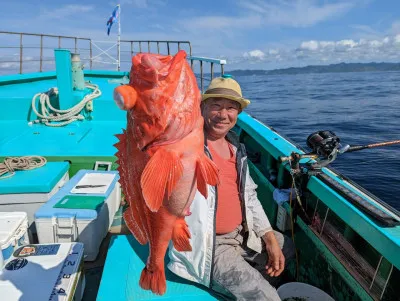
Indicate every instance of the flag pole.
{"type": "Point", "coordinates": [119, 37]}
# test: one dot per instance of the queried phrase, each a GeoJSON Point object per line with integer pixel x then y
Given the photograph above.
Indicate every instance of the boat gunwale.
{"type": "Point", "coordinates": [386, 240]}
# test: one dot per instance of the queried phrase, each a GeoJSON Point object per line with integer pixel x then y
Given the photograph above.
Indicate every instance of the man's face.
{"type": "Point", "coordinates": [220, 115]}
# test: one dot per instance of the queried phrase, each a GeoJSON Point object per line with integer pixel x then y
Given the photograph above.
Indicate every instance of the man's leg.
{"type": "Point", "coordinates": [234, 276]}
{"type": "Point", "coordinates": [259, 260]}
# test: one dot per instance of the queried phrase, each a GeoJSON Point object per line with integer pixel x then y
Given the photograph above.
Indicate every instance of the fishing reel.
{"type": "Point", "coordinates": [325, 146]}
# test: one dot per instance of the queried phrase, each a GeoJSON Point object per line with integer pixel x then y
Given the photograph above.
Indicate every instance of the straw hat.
{"type": "Point", "coordinates": [225, 87]}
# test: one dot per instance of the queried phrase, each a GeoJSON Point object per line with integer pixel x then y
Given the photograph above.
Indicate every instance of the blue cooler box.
{"type": "Point", "coordinates": [80, 212]}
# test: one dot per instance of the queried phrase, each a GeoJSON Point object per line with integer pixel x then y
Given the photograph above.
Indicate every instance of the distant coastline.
{"type": "Point", "coordinates": [333, 68]}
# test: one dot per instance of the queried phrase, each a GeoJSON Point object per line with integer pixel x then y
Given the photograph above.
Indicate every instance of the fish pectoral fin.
{"type": "Point", "coordinates": [181, 235]}
{"type": "Point", "coordinates": [161, 174]}
{"type": "Point", "coordinates": [206, 173]}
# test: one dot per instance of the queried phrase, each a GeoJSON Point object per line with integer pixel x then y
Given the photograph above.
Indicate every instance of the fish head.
{"type": "Point", "coordinates": [162, 98]}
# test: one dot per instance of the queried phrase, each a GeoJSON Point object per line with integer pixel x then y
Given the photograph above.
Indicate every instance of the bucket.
{"type": "Point", "coordinates": [299, 291]}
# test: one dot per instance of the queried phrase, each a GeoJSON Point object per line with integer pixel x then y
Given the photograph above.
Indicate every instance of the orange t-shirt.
{"type": "Point", "coordinates": [229, 210]}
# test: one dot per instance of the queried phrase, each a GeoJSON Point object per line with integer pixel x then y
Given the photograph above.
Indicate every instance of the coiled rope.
{"type": "Point", "coordinates": [11, 164]}
{"type": "Point", "coordinates": [62, 117]}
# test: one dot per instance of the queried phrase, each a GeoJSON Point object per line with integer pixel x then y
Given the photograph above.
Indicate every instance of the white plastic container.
{"type": "Point", "coordinates": [305, 291]}
{"type": "Point", "coordinates": [44, 272]}
{"type": "Point", "coordinates": [13, 232]}
{"type": "Point", "coordinates": [27, 190]}
{"type": "Point", "coordinates": [88, 226]}
{"type": "Point", "coordinates": [283, 219]}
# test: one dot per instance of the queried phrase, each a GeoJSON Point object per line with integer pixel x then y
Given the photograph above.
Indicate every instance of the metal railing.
{"type": "Point", "coordinates": [23, 48]}
{"type": "Point", "coordinates": [143, 43]}
{"type": "Point", "coordinates": [212, 62]}
{"type": "Point", "coordinates": [38, 38]}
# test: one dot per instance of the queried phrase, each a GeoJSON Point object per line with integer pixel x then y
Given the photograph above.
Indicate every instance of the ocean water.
{"type": "Point", "coordinates": [360, 108]}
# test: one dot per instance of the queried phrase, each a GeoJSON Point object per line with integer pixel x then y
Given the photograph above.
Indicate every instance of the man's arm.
{"type": "Point", "coordinates": [276, 259]}
{"type": "Point", "coordinates": [261, 224]}
{"type": "Point", "coordinates": [262, 227]}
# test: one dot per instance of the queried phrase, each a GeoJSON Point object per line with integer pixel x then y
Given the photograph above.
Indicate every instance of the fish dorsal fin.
{"type": "Point", "coordinates": [161, 173]}
{"type": "Point", "coordinates": [206, 173]}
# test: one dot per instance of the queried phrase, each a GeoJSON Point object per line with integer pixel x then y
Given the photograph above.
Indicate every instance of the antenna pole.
{"type": "Point", "coordinates": [119, 38]}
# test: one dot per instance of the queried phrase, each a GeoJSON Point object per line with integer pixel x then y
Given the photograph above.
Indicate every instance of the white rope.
{"type": "Point", "coordinates": [62, 117]}
{"type": "Point", "coordinates": [11, 164]}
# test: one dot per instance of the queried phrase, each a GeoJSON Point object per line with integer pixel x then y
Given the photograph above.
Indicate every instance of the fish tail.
{"type": "Point", "coordinates": [153, 280]}
{"type": "Point", "coordinates": [153, 275]}
{"type": "Point", "coordinates": [181, 235]}
{"type": "Point", "coordinates": [206, 173]}
{"type": "Point", "coordinates": [159, 177]}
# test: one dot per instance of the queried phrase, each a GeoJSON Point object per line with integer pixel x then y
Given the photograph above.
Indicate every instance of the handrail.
{"type": "Point", "coordinates": [42, 34]}
{"type": "Point", "coordinates": [136, 46]}
{"type": "Point", "coordinates": [21, 47]}
{"type": "Point", "coordinates": [167, 43]}
{"type": "Point", "coordinates": [211, 61]}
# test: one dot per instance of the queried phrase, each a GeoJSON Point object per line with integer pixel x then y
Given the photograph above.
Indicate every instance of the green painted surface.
{"type": "Point", "coordinates": [264, 192]}
{"type": "Point", "coordinates": [385, 240]}
{"type": "Point", "coordinates": [319, 267]}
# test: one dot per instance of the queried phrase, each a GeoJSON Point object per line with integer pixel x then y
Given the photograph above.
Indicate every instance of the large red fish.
{"type": "Point", "coordinates": [161, 156]}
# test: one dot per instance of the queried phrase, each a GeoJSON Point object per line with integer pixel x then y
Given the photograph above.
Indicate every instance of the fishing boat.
{"type": "Point", "coordinates": [347, 239]}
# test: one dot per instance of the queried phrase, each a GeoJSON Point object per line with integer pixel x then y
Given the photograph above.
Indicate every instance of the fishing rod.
{"type": "Point", "coordinates": [326, 147]}
{"type": "Point", "coordinates": [360, 147]}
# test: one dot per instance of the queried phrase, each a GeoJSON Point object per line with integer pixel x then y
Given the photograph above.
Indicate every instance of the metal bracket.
{"type": "Point", "coordinates": [107, 164]}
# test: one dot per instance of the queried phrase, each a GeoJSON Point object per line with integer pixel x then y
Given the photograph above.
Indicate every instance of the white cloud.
{"type": "Point", "coordinates": [310, 45]}
{"type": "Point", "coordinates": [327, 44]}
{"type": "Point", "coordinates": [221, 22]}
{"type": "Point", "coordinates": [136, 3]}
{"type": "Point", "coordinates": [65, 11]}
{"type": "Point", "coordinates": [395, 29]}
{"type": "Point", "coordinates": [323, 52]}
{"type": "Point", "coordinates": [254, 54]}
{"type": "Point", "coordinates": [273, 52]}
{"type": "Point", "coordinates": [296, 13]}
{"type": "Point", "coordinates": [144, 4]}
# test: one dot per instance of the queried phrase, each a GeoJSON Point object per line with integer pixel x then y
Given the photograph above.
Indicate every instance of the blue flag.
{"type": "Point", "coordinates": [113, 18]}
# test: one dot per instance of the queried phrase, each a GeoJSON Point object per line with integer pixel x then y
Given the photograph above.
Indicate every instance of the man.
{"type": "Point", "coordinates": [235, 250]}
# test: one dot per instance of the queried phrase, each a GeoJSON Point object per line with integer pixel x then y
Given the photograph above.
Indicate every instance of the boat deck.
{"type": "Point", "coordinates": [94, 269]}
{"type": "Point", "coordinates": [88, 138]}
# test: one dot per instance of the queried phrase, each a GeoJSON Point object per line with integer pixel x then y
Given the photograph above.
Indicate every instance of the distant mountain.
{"type": "Point", "coordinates": [342, 67]}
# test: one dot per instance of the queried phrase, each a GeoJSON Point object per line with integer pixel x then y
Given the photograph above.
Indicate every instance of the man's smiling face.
{"type": "Point", "coordinates": [220, 116]}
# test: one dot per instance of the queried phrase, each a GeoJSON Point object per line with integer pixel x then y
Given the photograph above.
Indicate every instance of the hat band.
{"type": "Point", "coordinates": [223, 91]}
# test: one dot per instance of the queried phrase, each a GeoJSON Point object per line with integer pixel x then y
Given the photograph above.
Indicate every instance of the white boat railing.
{"type": "Point", "coordinates": [34, 52]}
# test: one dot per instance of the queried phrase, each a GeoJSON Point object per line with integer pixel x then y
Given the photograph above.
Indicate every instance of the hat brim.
{"type": "Point", "coordinates": [242, 101]}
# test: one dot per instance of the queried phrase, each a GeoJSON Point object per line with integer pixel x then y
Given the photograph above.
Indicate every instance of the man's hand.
{"type": "Point", "coordinates": [276, 260]}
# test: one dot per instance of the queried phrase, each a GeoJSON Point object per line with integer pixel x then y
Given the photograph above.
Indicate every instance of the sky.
{"type": "Point", "coordinates": [258, 34]}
